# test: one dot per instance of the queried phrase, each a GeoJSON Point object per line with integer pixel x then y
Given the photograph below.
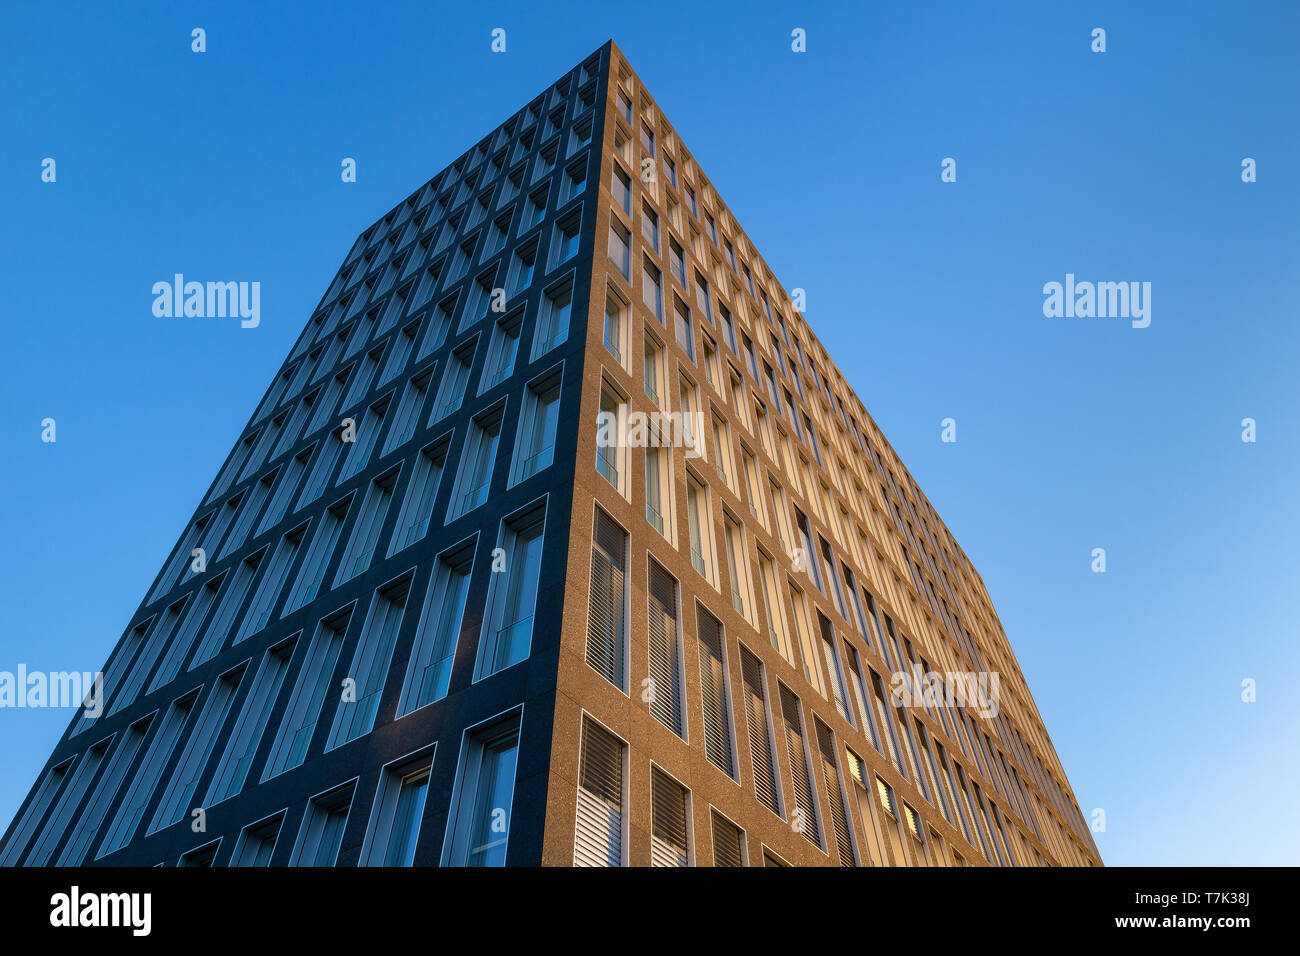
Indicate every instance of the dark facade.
{"type": "Point", "coordinates": [423, 616]}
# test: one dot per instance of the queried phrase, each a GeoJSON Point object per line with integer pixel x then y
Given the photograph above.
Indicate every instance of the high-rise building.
{"type": "Point", "coordinates": [559, 539]}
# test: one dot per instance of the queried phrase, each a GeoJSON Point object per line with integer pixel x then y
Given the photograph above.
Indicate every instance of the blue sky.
{"type": "Point", "coordinates": [1072, 434]}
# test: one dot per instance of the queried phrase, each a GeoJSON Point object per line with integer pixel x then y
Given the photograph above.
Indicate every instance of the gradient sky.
{"type": "Point", "coordinates": [1072, 433]}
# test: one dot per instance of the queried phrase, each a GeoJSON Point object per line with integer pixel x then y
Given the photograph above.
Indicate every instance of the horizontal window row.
{"type": "Point", "coordinates": [279, 719]}
{"type": "Point", "coordinates": [830, 663]}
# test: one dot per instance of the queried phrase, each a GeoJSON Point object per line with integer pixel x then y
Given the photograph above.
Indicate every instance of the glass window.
{"type": "Point", "coordinates": [399, 810]}
{"type": "Point", "coordinates": [428, 672]}
{"type": "Point", "coordinates": [512, 594]}
{"type": "Point", "coordinates": [480, 827]}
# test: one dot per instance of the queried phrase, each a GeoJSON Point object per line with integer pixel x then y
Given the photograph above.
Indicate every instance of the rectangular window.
{"type": "Point", "coordinates": [455, 380]}
{"type": "Point", "coordinates": [620, 247]}
{"type": "Point", "coordinates": [428, 673]}
{"type": "Point", "coordinates": [677, 262]}
{"type": "Point", "coordinates": [148, 638]}
{"type": "Point", "coordinates": [479, 292]}
{"type": "Point", "coordinates": [683, 329]}
{"type": "Point", "coordinates": [615, 329]}
{"type": "Point", "coordinates": [839, 690]}
{"type": "Point", "coordinates": [502, 350]}
{"type": "Point", "coordinates": [805, 542]}
{"type": "Point", "coordinates": [355, 716]}
{"type": "Point", "coordinates": [512, 593]}
{"type": "Point", "coordinates": [240, 580]}
{"type": "Point", "coordinates": [665, 657]}
{"type": "Point", "coordinates": [366, 369]}
{"type": "Point", "coordinates": [728, 326]}
{"type": "Point", "coordinates": [728, 841]}
{"type": "Point", "coordinates": [607, 633]}
{"type": "Point", "coordinates": [714, 694]}
{"type": "Point", "coordinates": [698, 527]}
{"type": "Point", "coordinates": [179, 796]}
{"type": "Point", "coordinates": [758, 726]}
{"type": "Point", "coordinates": [669, 821]}
{"type": "Point", "coordinates": [440, 322]}
{"type": "Point", "coordinates": [883, 717]}
{"type": "Point", "coordinates": [652, 289]}
{"type": "Point", "coordinates": [620, 184]}
{"type": "Point", "coordinates": [156, 760]}
{"type": "Point", "coordinates": [576, 180]}
{"type": "Point", "coordinates": [650, 226]}
{"type": "Point", "coordinates": [363, 543]}
{"type": "Point", "coordinates": [246, 735]}
{"type": "Point", "coordinates": [877, 854]}
{"type": "Point", "coordinates": [322, 829]}
{"type": "Point", "coordinates": [483, 798]}
{"type": "Point", "coordinates": [535, 438]}
{"type": "Point", "coordinates": [319, 555]}
{"type": "Point", "coordinates": [647, 140]}
{"type": "Point", "coordinates": [835, 796]}
{"type": "Point", "coordinates": [273, 578]}
{"type": "Point", "coordinates": [553, 320]}
{"type": "Point", "coordinates": [652, 367]}
{"type": "Point", "coordinates": [609, 449]}
{"type": "Point", "coordinates": [737, 567]}
{"type": "Point", "coordinates": [805, 796]}
{"type": "Point", "coordinates": [812, 671]}
{"type": "Point", "coordinates": [408, 416]}
{"type": "Point", "coordinates": [658, 483]}
{"type": "Point", "coordinates": [417, 505]}
{"type": "Point", "coordinates": [256, 843]}
{"type": "Point", "coordinates": [753, 492]}
{"type": "Point", "coordinates": [250, 506]}
{"type": "Point", "coordinates": [477, 460]}
{"type": "Point", "coordinates": [396, 817]}
{"type": "Point", "coordinates": [177, 641]}
{"type": "Point", "coordinates": [49, 788]}
{"type": "Point", "coordinates": [722, 458]}
{"type": "Point", "coordinates": [702, 296]}
{"type": "Point", "coordinates": [200, 856]}
{"type": "Point", "coordinates": [777, 634]}
{"type": "Point", "coordinates": [104, 799]}
{"type": "Point", "coordinates": [598, 829]}
{"type": "Point", "coordinates": [534, 209]}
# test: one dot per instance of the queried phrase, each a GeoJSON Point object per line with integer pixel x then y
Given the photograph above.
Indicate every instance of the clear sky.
{"type": "Point", "coordinates": [1072, 434]}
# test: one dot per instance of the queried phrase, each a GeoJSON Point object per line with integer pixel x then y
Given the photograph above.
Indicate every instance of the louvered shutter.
{"type": "Point", "coordinates": [668, 832]}
{"type": "Point", "coordinates": [665, 667]}
{"type": "Point", "coordinates": [833, 661]}
{"type": "Point", "coordinates": [803, 789]}
{"type": "Point", "coordinates": [856, 768]}
{"type": "Point", "coordinates": [910, 815]}
{"type": "Point", "coordinates": [727, 841]}
{"type": "Point", "coordinates": [874, 851]}
{"type": "Point", "coordinates": [605, 613]}
{"type": "Point", "coordinates": [713, 693]}
{"type": "Point", "coordinates": [835, 796]}
{"type": "Point", "coordinates": [886, 797]}
{"type": "Point", "coordinates": [598, 833]}
{"type": "Point", "coordinates": [759, 732]}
